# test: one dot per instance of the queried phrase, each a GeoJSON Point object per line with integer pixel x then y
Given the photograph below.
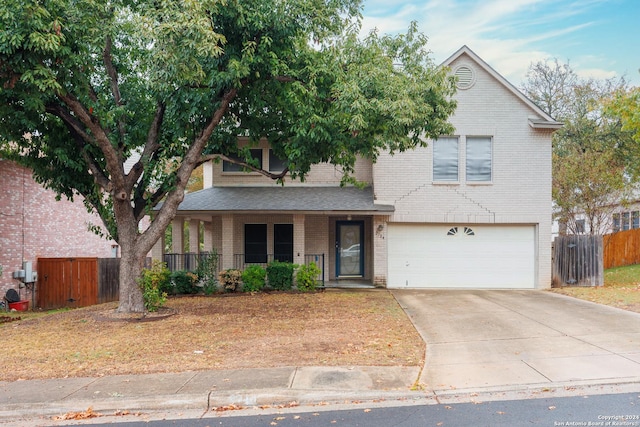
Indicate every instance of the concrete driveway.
{"type": "Point", "coordinates": [492, 340]}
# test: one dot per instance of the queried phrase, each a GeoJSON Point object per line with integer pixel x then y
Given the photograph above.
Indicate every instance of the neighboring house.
{"type": "Point", "coordinates": [626, 218]}
{"type": "Point", "coordinates": [618, 216]}
{"type": "Point", "coordinates": [33, 224]}
{"type": "Point", "coordinates": [471, 210]}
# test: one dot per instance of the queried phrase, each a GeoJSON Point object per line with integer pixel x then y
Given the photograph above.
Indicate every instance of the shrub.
{"type": "Point", "coordinates": [207, 272]}
{"type": "Point", "coordinates": [152, 282]}
{"type": "Point", "coordinates": [230, 279]}
{"type": "Point", "coordinates": [307, 277]}
{"type": "Point", "coordinates": [280, 275]}
{"type": "Point", "coordinates": [253, 278]}
{"type": "Point", "coordinates": [184, 282]}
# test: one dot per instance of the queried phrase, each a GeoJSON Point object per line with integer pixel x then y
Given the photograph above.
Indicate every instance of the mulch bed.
{"type": "Point", "coordinates": [7, 319]}
{"type": "Point", "coordinates": [115, 316]}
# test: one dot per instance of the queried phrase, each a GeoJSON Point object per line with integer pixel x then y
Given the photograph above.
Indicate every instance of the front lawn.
{"type": "Point", "coordinates": [230, 331]}
{"type": "Point", "coordinates": [621, 289]}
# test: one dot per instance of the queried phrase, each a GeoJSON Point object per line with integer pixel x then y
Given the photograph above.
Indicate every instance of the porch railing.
{"type": "Point", "coordinates": [188, 261]}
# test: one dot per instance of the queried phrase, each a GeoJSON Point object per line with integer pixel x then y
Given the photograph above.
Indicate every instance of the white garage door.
{"type": "Point", "coordinates": [459, 256]}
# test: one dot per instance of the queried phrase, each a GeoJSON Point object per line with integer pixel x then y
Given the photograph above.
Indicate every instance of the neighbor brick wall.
{"type": "Point", "coordinates": [31, 215]}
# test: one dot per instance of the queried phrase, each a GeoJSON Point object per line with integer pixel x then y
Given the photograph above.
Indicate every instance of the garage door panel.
{"type": "Point", "coordinates": [423, 256]}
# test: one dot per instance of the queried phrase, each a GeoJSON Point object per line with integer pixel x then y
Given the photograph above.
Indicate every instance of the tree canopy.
{"type": "Point", "coordinates": [84, 86]}
{"type": "Point", "coordinates": [591, 172]}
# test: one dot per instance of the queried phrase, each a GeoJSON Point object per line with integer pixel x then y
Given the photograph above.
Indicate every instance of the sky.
{"type": "Point", "coordinates": [598, 38]}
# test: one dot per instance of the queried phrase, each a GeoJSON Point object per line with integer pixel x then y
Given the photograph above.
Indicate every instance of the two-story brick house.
{"type": "Point", "coordinates": [33, 224]}
{"type": "Point", "coordinates": [470, 210]}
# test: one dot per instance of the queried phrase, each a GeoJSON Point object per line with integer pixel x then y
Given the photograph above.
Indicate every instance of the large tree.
{"type": "Point", "coordinates": [590, 171]}
{"type": "Point", "coordinates": [86, 85]}
{"type": "Point", "coordinates": [625, 105]}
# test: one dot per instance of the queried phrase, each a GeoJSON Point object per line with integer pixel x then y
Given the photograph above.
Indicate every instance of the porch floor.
{"type": "Point", "coordinates": [349, 284]}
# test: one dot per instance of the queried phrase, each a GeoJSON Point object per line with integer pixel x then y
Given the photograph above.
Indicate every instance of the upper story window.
{"type": "Point", "coordinates": [256, 153]}
{"type": "Point", "coordinates": [479, 159]}
{"type": "Point", "coordinates": [276, 164]}
{"type": "Point", "coordinates": [445, 159]}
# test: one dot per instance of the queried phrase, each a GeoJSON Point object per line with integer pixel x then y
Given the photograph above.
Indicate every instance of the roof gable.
{"type": "Point", "coordinates": [547, 122]}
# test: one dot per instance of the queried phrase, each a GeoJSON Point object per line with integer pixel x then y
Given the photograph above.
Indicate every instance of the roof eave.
{"type": "Point", "coordinates": [545, 124]}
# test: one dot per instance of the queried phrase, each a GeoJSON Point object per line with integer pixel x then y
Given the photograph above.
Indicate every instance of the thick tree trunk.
{"type": "Point", "coordinates": [131, 265]}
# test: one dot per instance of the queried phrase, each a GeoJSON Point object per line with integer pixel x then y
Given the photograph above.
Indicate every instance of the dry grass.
{"type": "Point", "coordinates": [621, 289]}
{"type": "Point", "coordinates": [334, 328]}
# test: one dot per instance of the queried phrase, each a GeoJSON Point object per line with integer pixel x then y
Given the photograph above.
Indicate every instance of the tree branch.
{"type": "Point", "coordinates": [113, 81]}
{"type": "Point", "coordinates": [268, 174]}
{"type": "Point", "coordinates": [112, 158]}
{"type": "Point", "coordinates": [81, 138]}
{"type": "Point", "coordinates": [189, 162]}
{"type": "Point", "coordinates": [151, 146]}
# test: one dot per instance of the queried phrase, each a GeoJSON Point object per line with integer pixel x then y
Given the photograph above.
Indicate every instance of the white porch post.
{"type": "Point", "coordinates": [177, 236]}
{"type": "Point", "coordinates": [194, 236]}
{"type": "Point", "coordinates": [227, 241]}
{"type": "Point", "coordinates": [298, 239]}
{"type": "Point", "coordinates": [157, 251]}
{"type": "Point", "coordinates": [380, 251]}
{"type": "Point", "coordinates": [208, 236]}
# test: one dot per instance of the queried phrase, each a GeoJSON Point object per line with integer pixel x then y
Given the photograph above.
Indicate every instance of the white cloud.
{"type": "Point", "coordinates": [508, 34]}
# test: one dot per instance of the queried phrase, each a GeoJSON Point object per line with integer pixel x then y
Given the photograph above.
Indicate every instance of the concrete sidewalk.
{"type": "Point", "coordinates": [205, 391]}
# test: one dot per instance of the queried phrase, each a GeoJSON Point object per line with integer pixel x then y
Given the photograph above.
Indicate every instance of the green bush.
{"type": "Point", "coordinates": [184, 282]}
{"type": "Point", "coordinates": [280, 275]}
{"type": "Point", "coordinates": [230, 279]}
{"type": "Point", "coordinates": [307, 277]}
{"type": "Point", "coordinates": [152, 282]}
{"type": "Point", "coordinates": [253, 278]}
{"type": "Point", "coordinates": [207, 272]}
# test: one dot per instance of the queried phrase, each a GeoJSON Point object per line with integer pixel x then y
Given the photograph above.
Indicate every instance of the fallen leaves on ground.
{"type": "Point", "coordinates": [83, 415]}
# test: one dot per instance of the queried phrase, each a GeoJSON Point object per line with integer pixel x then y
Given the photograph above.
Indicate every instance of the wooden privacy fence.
{"type": "Point", "coordinates": [622, 248]}
{"type": "Point", "coordinates": [76, 282]}
{"type": "Point", "coordinates": [578, 261]}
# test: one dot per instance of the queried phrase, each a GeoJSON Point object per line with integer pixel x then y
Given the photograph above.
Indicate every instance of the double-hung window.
{"type": "Point", "coordinates": [256, 154]}
{"type": "Point", "coordinates": [276, 164]}
{"type": "Point", "coordinates": [479, 159]}
{"type": "Point", "coordinates": [445, 159]}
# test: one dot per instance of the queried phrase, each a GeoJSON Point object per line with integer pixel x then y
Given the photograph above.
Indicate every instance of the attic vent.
{"type": "Point", "coordinates": [466, 77]}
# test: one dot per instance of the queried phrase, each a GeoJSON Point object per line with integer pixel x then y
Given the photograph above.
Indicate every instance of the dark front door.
{"type": "Point", "coordinates": [350, 249]}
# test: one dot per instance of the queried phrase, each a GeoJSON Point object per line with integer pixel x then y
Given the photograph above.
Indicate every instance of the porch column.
{"type": "Point", "coordinates": [177, 236]}
{"type": "Point", "coordinates": [380, 251]}
{"type": "Point", "coordinates": [298, 239]}
{"type": "Point", "coordinates": [208, 236]}
{"type": "Point", "coordinates": [157, 251]}
{"type": "Point", "coordinates": [227, 241]}
{"type": "Point", "coordinates": [194, 236]}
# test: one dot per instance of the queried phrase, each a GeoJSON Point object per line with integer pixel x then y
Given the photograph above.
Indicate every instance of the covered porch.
{"type": "Point", "coordinates": [339, 229]}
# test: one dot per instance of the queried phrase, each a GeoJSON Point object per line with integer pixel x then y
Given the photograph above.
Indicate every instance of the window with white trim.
{"type": "Point", "coordinates": [445, 159]}
{"type": "Point", "coordinates": [623, 221]}
{"type": "Point", "coordinates": [479, 159]}
{"type": "Point", "coordinates": [256, 154]}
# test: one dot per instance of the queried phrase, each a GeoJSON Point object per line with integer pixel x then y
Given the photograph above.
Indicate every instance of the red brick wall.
{"type": "Point", "coordinates": [33, 224]}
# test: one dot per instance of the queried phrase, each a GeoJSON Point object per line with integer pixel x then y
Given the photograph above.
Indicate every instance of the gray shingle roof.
{"type": "Point", "coordinates": [242, 199]}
